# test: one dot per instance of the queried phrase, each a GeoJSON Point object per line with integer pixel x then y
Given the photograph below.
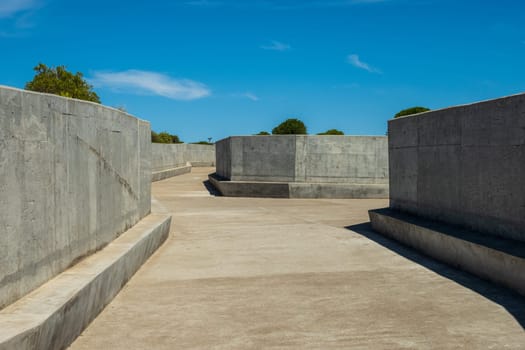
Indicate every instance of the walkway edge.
{"type": "Point", "coordinates": [492, 258]}
{"type": "Point", "coordinates": [52, 316]}
{"type": "Point", "coordinates": [165, 174]}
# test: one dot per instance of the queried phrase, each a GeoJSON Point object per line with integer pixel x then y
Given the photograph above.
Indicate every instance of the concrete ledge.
{"type": "Point", "coordinates": [52, 316]}
{"type": "Point", "coordinates": [250, 189]}
{"type": "Point", "coordinates": [202, 164]}
{"type": "Point", "coordinates": [164, 174]}
{"type": "Point", "coordinates": [297, 189]}
{"type": "Point", "coordinates": [337, 190]}
{"type": "Point", "coordinates": [493, 258]}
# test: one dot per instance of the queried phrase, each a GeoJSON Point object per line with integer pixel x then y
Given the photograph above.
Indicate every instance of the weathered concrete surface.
{"type": "Point", "coordinates": [52, 316]}
{"type": "Point", "coordinates": [493, 258]}
{"type": "Point", "coordinates": [73, 176]}
{"type": "Point", "coordinates": [170, 156]}
{"type": "Point", "coordinates": [313, 166]}
{"type": "Point", "coordinates": [463, 165]}
{"type": "Point", "coordinates": [250, 273]}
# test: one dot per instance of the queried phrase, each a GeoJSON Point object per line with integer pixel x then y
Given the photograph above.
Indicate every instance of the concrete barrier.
{"type": "Point", "coordinates": [463, 167]}
{"type": "Point", "coordinates": [52, 316]}
{"type": "Point", "coordinates": [309, 166]}
{"type": "Point", "coordinates": [74, 175]}
{"type": "Point", "coordinates": [169, 160]}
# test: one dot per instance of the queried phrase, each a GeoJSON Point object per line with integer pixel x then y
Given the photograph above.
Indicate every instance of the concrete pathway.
{"type": "Point", "coordinates": [245, 273]}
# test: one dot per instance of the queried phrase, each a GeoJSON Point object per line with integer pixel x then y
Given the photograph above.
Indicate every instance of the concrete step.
{"type": "Point", "coordinates": [493, 258]}
{"type": "Point", "coordinates": [52, 316]}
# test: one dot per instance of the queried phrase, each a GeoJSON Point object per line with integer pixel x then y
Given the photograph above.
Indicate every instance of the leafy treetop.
{"type": "Point", "coordinates": [263, 133]}
{"type": "Point", "coordinates": [412, 110]}
{"type": "Point", "coordinates": [290, 127]}
{"type": "Point", "coordinates": [60, 81]}
{"type": "Point", "coordinates": [332, 132]}
{"type": "Point", "coordinates": [164, 137]}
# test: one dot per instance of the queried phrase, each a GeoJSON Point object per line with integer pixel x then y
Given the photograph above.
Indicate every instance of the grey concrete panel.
{"type": "Point", "coordinates": [72, 179]}
{"type": "Point", "coordinates": [267, 157]}
{"type": "Point", "coordinates": [463, 165]}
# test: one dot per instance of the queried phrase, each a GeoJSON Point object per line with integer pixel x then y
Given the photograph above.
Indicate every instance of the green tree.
{"type": "Point", "coordinates": [164, 137]}
{"type": "Point", "coordinates": [60, 81]}
{"type": "Point", "coordinates": [411, 110]}
{"type": "Point", "coordinates": [290, 127]}
{"type": "Point", "coordinates": [263, 133]}
{"type": "Point", "coordinates": [332, 132]}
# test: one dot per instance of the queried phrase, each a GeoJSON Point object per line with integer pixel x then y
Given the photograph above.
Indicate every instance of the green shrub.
{"type": "Point", "coordinates": [332, 132]}
{"type": "Point", "coordinates": [290, 127]}
{"type": "Point", "coordinates": [412, 110]}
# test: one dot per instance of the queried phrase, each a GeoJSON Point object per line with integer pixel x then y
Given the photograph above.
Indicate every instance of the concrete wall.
{"type": "Point", "coordinates": [299, 158]}
{"type": "Point", "coordinates": [463, 165]}
{"type": "Point", "coordinates": [169, 156]}
{"type": "Point", "coordinates": [73, 176]}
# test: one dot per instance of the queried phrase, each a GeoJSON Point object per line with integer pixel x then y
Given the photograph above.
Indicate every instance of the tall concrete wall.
{"type": "Point", "coordinates": [463, 165]}
{"type": "Point", "coordinates": [73, 176]}
{"type": "Point", "coordinates": [169, 156]}
{"type": "Point", "coordinates": [305, 159]}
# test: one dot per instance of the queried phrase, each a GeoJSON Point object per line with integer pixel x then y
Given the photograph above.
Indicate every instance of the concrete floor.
{"type": "Point", "coordinates": [246, 273]}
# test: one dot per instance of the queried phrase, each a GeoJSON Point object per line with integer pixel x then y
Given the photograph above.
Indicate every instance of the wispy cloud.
{"type": "Point", "coordinates": [10, 8]}
{"type": "Point", "coordinates": [249, 95]}
{"type": "Point", "coordinates": [276, 46]}
{"type": "Point", "coordinates": [355, 61]}
{"type": "Point", "coordinates": [144, 82]}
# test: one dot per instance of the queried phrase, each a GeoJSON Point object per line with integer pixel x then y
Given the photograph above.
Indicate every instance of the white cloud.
{"type": "Point", "coordinates": [144, 82]}
{"type": "Point", "coordinates": [276, 46]}
{"type": "Point", "coordinates": [9, 8]}
{"type": "Point", "coordinates": [354, 60]}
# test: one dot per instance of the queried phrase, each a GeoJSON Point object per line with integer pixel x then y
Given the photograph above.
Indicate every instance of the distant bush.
{"type": "Point", "coordinates": [164, 137]}
{"type": "Point", "coordinates": [203, 143]}
{"type": "Point", "coordinates": [412, 110]}
{"type": "Point", "coordinates": [263, 133]}
{"type": "Point", "coordinates": [290, 127]}
{"type": "Point", "coordinates": [332, 132]}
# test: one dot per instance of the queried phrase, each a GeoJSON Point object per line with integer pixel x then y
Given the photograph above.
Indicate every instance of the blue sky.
{"type": "Point", "coordinates": [206, 68]}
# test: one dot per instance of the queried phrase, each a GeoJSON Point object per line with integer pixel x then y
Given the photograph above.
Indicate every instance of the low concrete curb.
{"type": "Point", "coordinates": [297, 189]}
{"type": "Point", "coordinates": [164, 174]}
{"type": "Point", "coordinates": [52, 316]}
{"type": "Point", "coordinates": [493, 258]}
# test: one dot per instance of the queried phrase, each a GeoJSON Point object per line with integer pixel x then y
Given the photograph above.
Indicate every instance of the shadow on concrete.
{"type": "Point", "coordinates": [211, 189]}
{"type": "Point", "coordinates": [511, 301]}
